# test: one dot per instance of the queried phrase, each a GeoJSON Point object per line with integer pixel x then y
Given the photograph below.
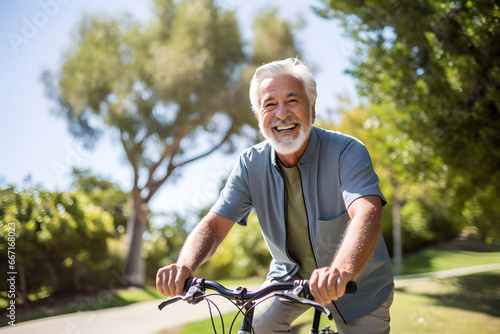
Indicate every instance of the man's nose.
{"type": "Point", "coordinates": [282, 111]}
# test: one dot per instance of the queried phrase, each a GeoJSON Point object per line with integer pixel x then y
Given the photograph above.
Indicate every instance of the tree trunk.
{"type": "Point", "coordinates": [136, 225]}
{"type": "Point", "coordinates": [396, 236]}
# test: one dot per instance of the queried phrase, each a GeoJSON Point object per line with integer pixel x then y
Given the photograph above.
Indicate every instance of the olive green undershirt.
{"type": "Point", "coordinates": [298, 241]}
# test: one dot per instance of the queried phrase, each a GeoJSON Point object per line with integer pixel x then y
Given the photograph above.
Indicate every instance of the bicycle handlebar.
{"type": "Point", "coordinates": [241, 295]}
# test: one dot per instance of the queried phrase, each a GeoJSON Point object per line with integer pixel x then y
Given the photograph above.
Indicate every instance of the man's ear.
{"type": "Point", "coordinates": [313, 112]}
{"type": "Point", "coordinates": [256, 115]}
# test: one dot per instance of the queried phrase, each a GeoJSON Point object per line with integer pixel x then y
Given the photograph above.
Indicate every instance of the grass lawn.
{"type": "Point", "coordinates": [447, 256]}
{"type": "Point", "coordinates": [467, 304]}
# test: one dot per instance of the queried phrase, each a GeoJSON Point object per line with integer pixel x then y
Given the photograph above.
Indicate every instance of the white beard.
{"type": "Point", "coordinates": [288, 144]}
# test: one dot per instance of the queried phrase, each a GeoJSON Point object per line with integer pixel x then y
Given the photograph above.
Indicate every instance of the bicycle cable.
{"type": "Point", "coordinates": [241, 310]}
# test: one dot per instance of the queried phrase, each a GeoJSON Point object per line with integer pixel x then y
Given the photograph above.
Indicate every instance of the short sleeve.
{"type": "Point", "coordinates": [234, 202]}
{"type": "Point", "coordinates": [357, 176]}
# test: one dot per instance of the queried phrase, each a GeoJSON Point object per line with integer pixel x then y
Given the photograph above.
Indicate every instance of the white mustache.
{"type": "Point", "coordinates": [288, 120]}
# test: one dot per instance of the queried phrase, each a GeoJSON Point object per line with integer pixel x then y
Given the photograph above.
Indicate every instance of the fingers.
{"type": "Point", "coordinates": [342, 281]}
{"type": "Point", "coordinates": [162, 277]}
{"type": "Point", "coordinates": [327, 284]}
{"type": "Point", "coordinates": [170, 280]}
{"type": "Point", "coordinates": [322, 286]}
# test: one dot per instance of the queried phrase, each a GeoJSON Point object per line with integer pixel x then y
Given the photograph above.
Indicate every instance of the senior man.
{"type": "Point", "coordinates": [318, 204]}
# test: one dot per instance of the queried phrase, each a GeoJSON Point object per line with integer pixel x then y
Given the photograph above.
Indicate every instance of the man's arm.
{"type": "Point", "coordinates": [199, 246]}
{"type": "Point", "coordinates": [358, 245]}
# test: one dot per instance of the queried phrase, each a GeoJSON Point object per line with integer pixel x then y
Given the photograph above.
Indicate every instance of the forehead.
{"type": "Point", "coordinates": [284, 84]}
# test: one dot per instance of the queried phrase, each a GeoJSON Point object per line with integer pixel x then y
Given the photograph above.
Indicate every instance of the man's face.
{"type": "Point", "coordinates": [284, 116]}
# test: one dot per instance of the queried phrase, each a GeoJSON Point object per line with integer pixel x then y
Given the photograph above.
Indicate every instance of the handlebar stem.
{"type": "Point", "coordinates": [239, 294]}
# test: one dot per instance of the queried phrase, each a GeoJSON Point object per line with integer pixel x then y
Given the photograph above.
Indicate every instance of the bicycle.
{"type": "Point", "coordinates": [245, 301]}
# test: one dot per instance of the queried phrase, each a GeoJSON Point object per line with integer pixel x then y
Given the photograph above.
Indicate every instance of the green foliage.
{"type": "Point", "coordinates": [242, 254]}
{"type": "Point", "coordinates": [66, 241]}
{"type": "Point", "coordinates": [439, 63]}
{"type": "Point", "coordinates": [273, 38]}
{"type": "Point", "coordinates": [482, 211]}
{"type": "Point", "coordinates": [416, 223]}
{"type": "Point", "coordinates": [105, 194]}
{"type": "Point", "coordinates": [61, 241]}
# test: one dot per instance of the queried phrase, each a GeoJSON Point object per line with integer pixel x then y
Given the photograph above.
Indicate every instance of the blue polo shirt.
{"type": "Point", "coordinates": [335, 170]}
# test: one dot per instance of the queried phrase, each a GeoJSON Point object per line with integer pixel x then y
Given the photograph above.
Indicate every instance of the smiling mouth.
{"type": "Point", "coordinates": [282, 128]}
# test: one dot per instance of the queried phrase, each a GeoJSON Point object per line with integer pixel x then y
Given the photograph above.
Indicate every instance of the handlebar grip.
{"type": "Point", "coordinates": [188, 283]}
{"type": "Point", "coordinates": [351, 287]}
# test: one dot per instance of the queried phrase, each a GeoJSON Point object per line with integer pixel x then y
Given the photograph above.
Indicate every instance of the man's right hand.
{"type": "Point", "coordinates": [170, 280]}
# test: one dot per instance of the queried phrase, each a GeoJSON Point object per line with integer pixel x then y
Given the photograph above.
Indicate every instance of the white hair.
{"type": "Point", "coordinates": [290, 66]}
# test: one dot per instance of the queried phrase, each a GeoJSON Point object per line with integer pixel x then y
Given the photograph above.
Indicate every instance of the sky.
{"type": "Point", "coordinates": [35, 34]}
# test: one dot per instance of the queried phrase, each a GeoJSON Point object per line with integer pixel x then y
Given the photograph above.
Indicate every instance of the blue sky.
{"type": "Point", "coordinates": [34, 34]}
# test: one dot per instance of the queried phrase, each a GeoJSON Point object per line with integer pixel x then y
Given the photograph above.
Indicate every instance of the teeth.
{"type": "Point", "coordinates": [285, 127]}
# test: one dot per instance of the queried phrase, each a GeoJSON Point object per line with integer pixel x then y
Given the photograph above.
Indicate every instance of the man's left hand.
{"type": "Point", "coordinates": [327, 284]}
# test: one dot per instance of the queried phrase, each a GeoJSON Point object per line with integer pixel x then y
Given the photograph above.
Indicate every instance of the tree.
{"type": "Point", "coordinates": [439, 62]}
{"type": "Point", "coordinates": [174, 91]}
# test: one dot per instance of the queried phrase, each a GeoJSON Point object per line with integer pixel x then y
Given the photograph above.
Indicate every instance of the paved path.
{"type": "Point", "coordinates": [144, 318]}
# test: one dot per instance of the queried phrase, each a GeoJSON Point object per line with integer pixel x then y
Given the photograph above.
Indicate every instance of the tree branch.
{"type": "Point", "coordinates": [172, 148]}
{"type": "Point", "coordinates": [226, 137]}
{"type": "Point", "coordinates": [169, 151]}
{"type": "Point", "coordinates": [133, 162]}
{"type": "Point", "coordinates": [156, 185]}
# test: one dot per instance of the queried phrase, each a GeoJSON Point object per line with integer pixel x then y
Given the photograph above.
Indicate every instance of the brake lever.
{"type": "Point", "coordinates": [292, 296]}
{"type": "Point", "coordinates": [168, 302]}
{"type": "Point", "coordinates": [193, 296]}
